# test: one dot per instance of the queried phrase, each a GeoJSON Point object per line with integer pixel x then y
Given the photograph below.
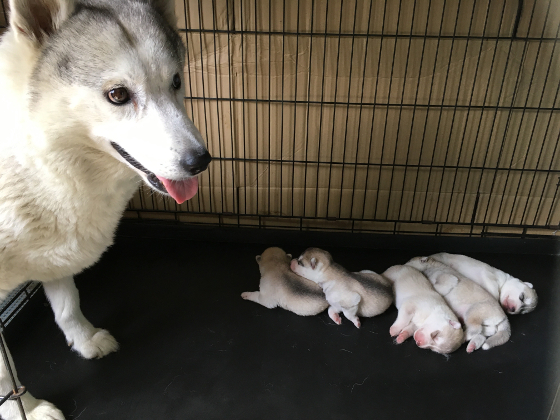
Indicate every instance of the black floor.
{"type": "Point", "coordinates": [191, 348]}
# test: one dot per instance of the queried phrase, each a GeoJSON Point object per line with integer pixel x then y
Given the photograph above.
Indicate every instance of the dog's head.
{"type": "Point", "coordinates": [113, 73]}
{"type": "Point", "coordinates": [312, 264]}
{"type": "Point", "coordinates": [273, 254]}
{"type": "Point", "coordinates": [440, 334]}
{"type": "Point", "coordinates": [517, 296]}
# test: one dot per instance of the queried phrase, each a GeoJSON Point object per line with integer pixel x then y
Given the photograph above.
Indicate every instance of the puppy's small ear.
{"type": "Point", "coordinates": [455, 324]}
{"type": "Point", "coordinates": [313, 263]}
{"type": "Point", "coordinates": [424, 259]}
{"type": "Point", "coordinates": [289, 256]}
{"type": "Point", "coordinates": [166, 8]}
{"type": "Point", "coordinates": [38, 19]}
{"type": "Point", "coordinates": [258, 258]}
{"type": "Point", "coordinates": [529, 285]}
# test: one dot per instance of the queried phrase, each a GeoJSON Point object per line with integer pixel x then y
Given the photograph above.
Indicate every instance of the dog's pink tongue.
{"type": "Point", "coordinates": [181, 191]}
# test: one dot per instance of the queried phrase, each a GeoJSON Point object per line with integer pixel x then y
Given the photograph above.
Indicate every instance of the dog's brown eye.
{"type": "Point", "coordinates": [118, 96]}
{"type": "Point", "coordinates": [176, 81]}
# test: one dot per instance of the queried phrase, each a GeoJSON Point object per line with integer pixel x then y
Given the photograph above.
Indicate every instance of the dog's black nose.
{"type": "Point", "coordinates": [194, 164]}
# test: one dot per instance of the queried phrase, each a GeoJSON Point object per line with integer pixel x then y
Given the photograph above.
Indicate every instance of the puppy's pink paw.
{"type": "Point", "coordinates": [471, 347]}
{"type": "Point", "coordinates": [402, 337]}
{"type": "Point", "coordinates": [357, 323]}
{"type": "Point", "coordinates": [394, 331]}
{"type": "Point", "coordinates": [336, 318]}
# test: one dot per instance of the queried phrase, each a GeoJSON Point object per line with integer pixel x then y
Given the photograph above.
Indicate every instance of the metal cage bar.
{"type": "Point", "coordinates": [434, 117]}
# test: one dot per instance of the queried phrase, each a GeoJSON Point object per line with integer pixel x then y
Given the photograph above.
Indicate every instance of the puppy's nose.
{"type": "Point", "coordinates": [194, 164]}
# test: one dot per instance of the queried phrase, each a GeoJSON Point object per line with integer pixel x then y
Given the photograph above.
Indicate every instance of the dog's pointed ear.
{"type": "Point", "coordinates": [258, 258]}
{"type": "Point", "coordinates": [38, 19]}
{"type": "Point", "coordinates": [313, 263]}
{"type": "Point", "coordinates": [166, 8]}
{"type": "Point", "coordinates": [289, 256]}
{"type": "Point", "coordinates": [529, 285]}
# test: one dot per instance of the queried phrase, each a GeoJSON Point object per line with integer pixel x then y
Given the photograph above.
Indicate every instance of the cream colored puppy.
{"type": "Point", "coordinates": [365, 293]}
{"type": "Point", "coordinates": [514, 295]}
{"type": "Point", "coordinates": [486, 323]}
{"type": "Point", "coordinates": [281, 287]}
{"type": "Point", "coordinates": [423, 313]}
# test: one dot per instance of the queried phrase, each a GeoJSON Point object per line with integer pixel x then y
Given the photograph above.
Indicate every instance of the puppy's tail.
{"type": "Point", "coordinates": [501, 336]}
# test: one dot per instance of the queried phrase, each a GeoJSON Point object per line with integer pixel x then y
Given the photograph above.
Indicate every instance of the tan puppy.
{"type": "Point", "coordinates": [365, 293]}
{"type": "Point", "coordinates": [423, 313]}
{"type": "Point", "coordinates": [514, 295]}
{"type": "Point", "coordinates": [281, 287]}
{"type": "Point", "coordinates": [486, 323]}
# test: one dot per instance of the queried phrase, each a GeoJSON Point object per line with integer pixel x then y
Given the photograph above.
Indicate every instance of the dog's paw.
{"type": "Point", "coordinates": [401, 338]}
{"type": "Point", "coordinates": [45, 411]}
{"type": "Point", "coordinates": [336, 318]}
{"type": "Point", "coordinates": [100, 344]}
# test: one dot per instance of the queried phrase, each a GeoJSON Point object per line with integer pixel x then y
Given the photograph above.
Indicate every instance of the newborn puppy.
{"type": "Point", "coordinates": [365, 293]}
{"type": "Point", "coordinates": [514, 295]}
{"type": "Point", "coordinates": [279, 286]}
{"type": "Point", "coordinates": [486, 323]}
{"type": "Point", "coordinates": [422, 312]}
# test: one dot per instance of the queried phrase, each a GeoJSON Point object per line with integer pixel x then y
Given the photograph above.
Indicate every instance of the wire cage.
{"type": "Point", "coordinates": [426, 116]}
{"type": "Point", "coordinates": [413, 117]}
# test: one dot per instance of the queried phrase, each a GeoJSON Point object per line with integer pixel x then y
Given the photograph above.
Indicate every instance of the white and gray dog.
{"type": "Point", "coordinates": [92, 103]}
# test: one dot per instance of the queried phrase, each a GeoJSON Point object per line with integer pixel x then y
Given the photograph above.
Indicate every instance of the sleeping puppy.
{"type": "Point", "coordinates": [365, 293]}
{"type": "Point", "coordinates": [279, 286]}
{"type": "Point", "coordinates": [486, 323]}
{"type": "Point", "coordinates": [423, 313]}
{"type": "Point", "coordinates": [514, 295]}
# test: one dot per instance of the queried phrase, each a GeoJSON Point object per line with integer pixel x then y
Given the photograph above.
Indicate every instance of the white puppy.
{"type": "Point", "coordinates": [423, 313]}
{"type": "Point", "coordinates": [365, 293]}
{"type": "Point", "coordinates": [514, 295]}
{"type": "Point", "coordinates": [279, 286]}
{"type": "Point", "coordinates": [486, 323]}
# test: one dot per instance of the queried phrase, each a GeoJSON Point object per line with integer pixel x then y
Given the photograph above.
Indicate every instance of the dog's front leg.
{"type": "Point", "coordinates": [84, 338]}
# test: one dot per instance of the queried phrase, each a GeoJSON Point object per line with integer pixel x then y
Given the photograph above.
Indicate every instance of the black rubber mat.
{"type": "Point", "coordinates": [191, 348]}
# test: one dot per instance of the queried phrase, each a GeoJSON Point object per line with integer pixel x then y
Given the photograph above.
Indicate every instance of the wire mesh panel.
{"type": "Point", "coordinates": [15, 301]}
{"type": "Point", "coordinates": [394, 116]}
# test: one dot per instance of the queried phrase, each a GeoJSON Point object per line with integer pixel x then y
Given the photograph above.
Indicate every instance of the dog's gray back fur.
{"type": "Point", "coordinates": [373, 285]}
{"type": "Point", "coordinates": [375, 290]}
{"type": "Point", "coordinates": [300, 287]}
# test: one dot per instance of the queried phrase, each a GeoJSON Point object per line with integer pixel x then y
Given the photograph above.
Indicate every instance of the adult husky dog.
{"type": "Point", "coordinates": [91, 103]}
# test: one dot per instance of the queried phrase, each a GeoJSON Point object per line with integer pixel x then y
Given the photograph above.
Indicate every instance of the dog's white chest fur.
{"type": "Point", "coordinates": [59, 205]}
{"type": "Point", "coordinates": [50, 228]}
